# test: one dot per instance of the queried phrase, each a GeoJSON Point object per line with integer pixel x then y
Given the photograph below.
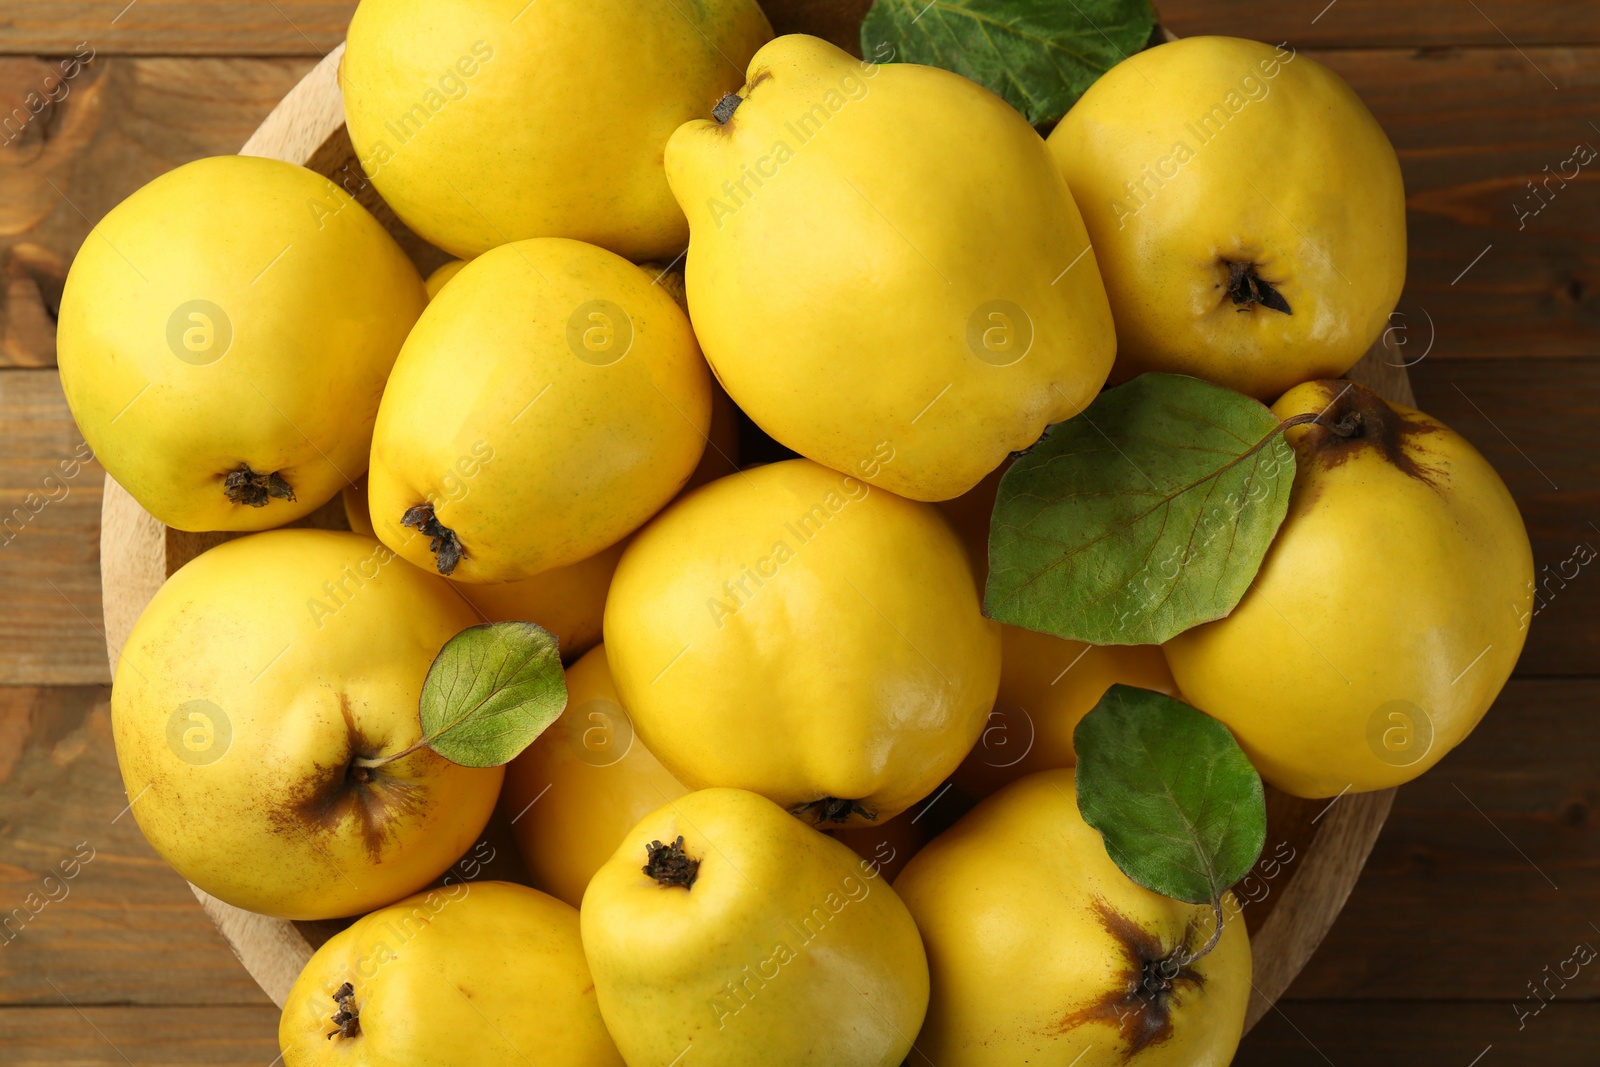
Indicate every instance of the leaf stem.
{"type": "Point", "coordinates": [1349, 426]}
{"type": "Point", "coordinates": [372, 762]}
{"type": "Point", "coordinates": [1301, 420]}
{"type": "Point", "coordinates": [1216, 935]}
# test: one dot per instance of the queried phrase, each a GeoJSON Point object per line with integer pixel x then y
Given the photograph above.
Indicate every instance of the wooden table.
{"type": "Point", "coordinates": [1488, 874]}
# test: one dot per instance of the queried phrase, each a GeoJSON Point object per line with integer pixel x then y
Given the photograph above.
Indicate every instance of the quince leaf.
{"type": "Point", "coordinates": [1039, 55]}
{"type": "Point", "coordinates": [1180, 807]}
{"type": "Point", "coordinates": [491, 690]}
{"type": "Point", "coordinates": [1146, 514]}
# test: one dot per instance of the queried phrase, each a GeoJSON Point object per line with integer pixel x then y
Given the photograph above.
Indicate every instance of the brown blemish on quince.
{"type": "Point", "coordinates": [1151, 986]}
{"type": "Point", "coordinates": [374, 799]}
{"type": "Point", "coordinates": [1354, 418]}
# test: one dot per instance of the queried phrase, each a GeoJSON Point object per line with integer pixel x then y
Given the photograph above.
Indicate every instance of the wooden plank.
{"type": "Point", "coordinates": [176, 27]}
{"type": "Point", "coordinates": [1407, 1034]}
{"type": "Point", "coordinates": [216, 1036]}
{"type": "Point", "coordinates": [121, 123]}
{"type": "Point", "coordinates": [1383, 23]}
{"type": "Point", "coordinates": [1535, 420]}
{"type": "Point", "coordinates": [1485, 873]}
{"type": "Point", "coordinates": [1473, 127]}
{"type": "Point", "coordinates": [49, 552]}
{"type": "Point", "coordinates": [281, 27]}
{"type": "Point", "coordinates": [123, 927]}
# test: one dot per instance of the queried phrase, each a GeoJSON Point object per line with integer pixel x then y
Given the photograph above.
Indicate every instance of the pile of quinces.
{"type": "Point", "coordinates": [1009, 503]}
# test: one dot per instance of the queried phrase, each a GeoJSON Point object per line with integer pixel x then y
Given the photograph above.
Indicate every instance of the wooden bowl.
{"type": "Point", "coordinates": [1319, 846]}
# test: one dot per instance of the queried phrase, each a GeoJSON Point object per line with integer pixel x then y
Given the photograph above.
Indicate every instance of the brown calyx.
{"type": "Point", "coordinates": [670, 865]}
{"type": "Point", "coordinates": [1153, 984]}
{"type": "Point", "coordinates": [1247, 288]}
{"type": "Point", "coordinates": [1355, 418]}
{"type": "Point", "coordinates": [347, 1020]}
{"type": "Point", "coordinates": [443, 542]}
{"type": "Point", "coordinates": [242, 485]}
{"type": "Point", "coordinates": [835, 810]}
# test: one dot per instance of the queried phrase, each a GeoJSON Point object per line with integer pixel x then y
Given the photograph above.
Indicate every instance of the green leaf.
{"type": "Point", "coordinates": [1146, 514]}
{"type": "Point", "coordinates": [1040, 55]}
{"type": "Point", "coordinates": [491, 690]}
{"type": "Point", "coordinates": [1177, 801]}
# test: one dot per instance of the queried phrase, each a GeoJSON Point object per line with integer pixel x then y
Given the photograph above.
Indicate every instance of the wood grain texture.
{"type": "Point", "coordinates": [49, 501]}
{"type": "Point", "coordinates": [1308, 905]}
{"type": "Point", "coordinates": [176, 27]}
{"type": "Point", "coordinates": [1485, 873]}
{"type": "Point", "coordinates": [120, 123]}
{"type": "Point", "coordinates": [1453, 1034]}
{"type": "Point", "coordinates": [88, 1036]}
{"type": "Point", "coordinates": [1473, 127]}
{"type": "Point", "coordinates": [1385, 23]}
{"type": "Point", "coordinates": [1535, 420]}
{"type": "Point", "coordinates": [313, 27]}
{"type": "Point", "coordinates": [123, 928]}
{"type": "Point", "coordinates": [282, 27]}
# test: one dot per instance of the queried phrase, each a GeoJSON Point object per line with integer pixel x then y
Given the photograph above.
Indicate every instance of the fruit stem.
{"type": "Point", "coordinates": [726, 107]}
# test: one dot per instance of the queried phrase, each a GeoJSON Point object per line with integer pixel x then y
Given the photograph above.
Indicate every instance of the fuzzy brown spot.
{"type": "Point", "coordinates": [1354, 418]}
{"type": "Point", "coordinates": [340, 796]}
{"type": "Point", "coordinates": [1151, 985]}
